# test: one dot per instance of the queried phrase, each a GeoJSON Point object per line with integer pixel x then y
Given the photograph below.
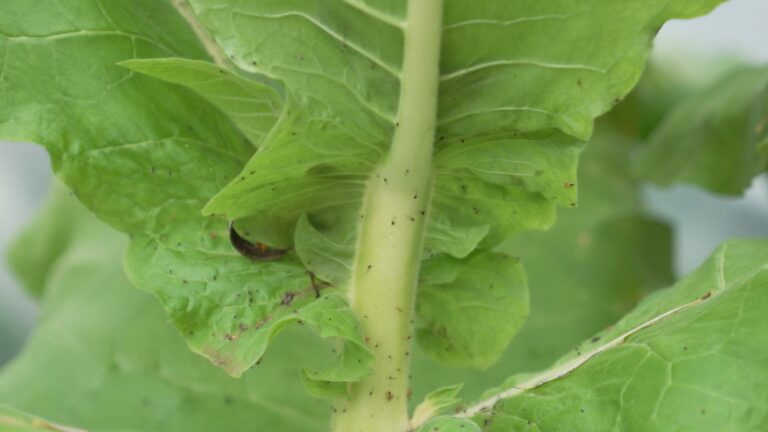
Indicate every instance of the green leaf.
{"type": "Point", "coordinates": [12, 420]}
{"type": "Point", "coordinates": [488, 291]}
{"type": "Point", "coordinates": [327, 257]}
{"type": "Point", "coordinates": [660, 88]}
{"type": "Point", "coordinates": [105, 358]}
{"type": "Point", "coordinates": [687, 358]}
{"type": "Point", "coordinates": [33, 253]}
{"type": "Point", "coordinates": [500, 165]}
{"type": "Point", "coordinates": [127, 145]}
{"type": "Point", "coordinates": [436, 402]}
{"type": "Point", "coordinates": [449, 424]}
{"type": "Point", "coordinates": [243, 306]}
{"type": "Point", "coordinates": [253, 106]}
{"type": "Point", "coordinates": [488, 98]}
{"type": "Point", "coordinates": [717, 138]}
{"type": "Point", "coordinates": [608, 254]}
{"type": "Point", "coordinates": [147, 155]}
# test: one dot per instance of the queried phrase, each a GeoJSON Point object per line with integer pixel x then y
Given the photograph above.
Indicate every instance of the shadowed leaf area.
{"type": "Point", "coordinates": [168, 148]}
{"type": "Point", "coordinates": [597, 262]}
{"type": "Point", "coordinates": [105, 358]}
{"type": "Point", "coordinates": [689, 357]}
{"type": "Point", "coordinates": [715, 138]}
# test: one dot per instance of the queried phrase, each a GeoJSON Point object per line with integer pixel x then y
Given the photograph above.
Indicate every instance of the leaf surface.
{"type": "Point", "coordinates": [146, 155]}
{"type": "Point", "coordinates": [436, 402]}
{"type": "Point", "coordinates": [593, 266]}
{"type": "Point", "coordinates": [510, 120]}
{"type": "Point", "coordinates": [12, 420]}
{"type": "Point", "coordinates": [105, 358]}
{"type": "Point", "coordinates": [253, 106]}
{"type": "Point", "coordinates": [688, 357]}
{"type": "Point", "coordinates": [488, 291]}
{"type": "Point", "coordinates": [716, 138]}
{"type": "Point", "coordinates": [34, 252]}
{"type": "Point", "coordinates": [351, 70]}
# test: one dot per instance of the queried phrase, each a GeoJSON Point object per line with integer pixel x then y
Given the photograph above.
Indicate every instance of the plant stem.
{"type": "Point", "coordinates": [391, 234]}
{"type": "Point", "coordinates": [211, 47]}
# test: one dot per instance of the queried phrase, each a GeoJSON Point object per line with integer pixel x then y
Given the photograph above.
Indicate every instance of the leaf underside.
{"type": "Point", "coordinates": [150, 157]}
{"type": "Point", "coordinates": [717, 138]}
{"type": "Point", "coordinates": [104, 357]}
{"type": "Point", "coordinates": [146, 156]}
{"type": "Point", "coordinates": [688, 357]}
{"type": "Point", "coordinates": [603, 202]}
{"type": "Point", "coordinates": [609, 254]}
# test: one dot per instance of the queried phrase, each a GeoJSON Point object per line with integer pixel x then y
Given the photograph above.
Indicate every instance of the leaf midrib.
{"type": "Point", "coordinates": [570, 366]}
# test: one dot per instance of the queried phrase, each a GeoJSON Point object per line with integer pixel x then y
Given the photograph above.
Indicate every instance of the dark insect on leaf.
{"type": "Point", "coordinates": [288, 298]}
{"type": "Point", "coordinates": [254, 251]}
{"type": "Point", "coordinates": [316, 285]}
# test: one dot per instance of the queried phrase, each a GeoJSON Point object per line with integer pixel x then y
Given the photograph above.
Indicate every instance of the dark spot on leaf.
{"type": "Point", "coordinates": [254, 251]}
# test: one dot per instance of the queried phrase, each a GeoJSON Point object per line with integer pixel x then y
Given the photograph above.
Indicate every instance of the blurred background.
{"type": "Point", "coordinates": [700, 49]}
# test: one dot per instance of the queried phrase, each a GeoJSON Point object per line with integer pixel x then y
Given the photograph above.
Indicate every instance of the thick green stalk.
{"type": "Point", "coordinates": [386, 268]}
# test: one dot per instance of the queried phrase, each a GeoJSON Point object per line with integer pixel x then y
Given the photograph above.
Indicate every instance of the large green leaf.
{"type": "Point", "coordinates": [503, 158]}
{"type": "Point", "coordinates": [489, 179]}
{"type": "Point", "coordinates": [146, 156]}
{"type": "Point", "coordinates": [104, 357]}
{"type": "Point", "coordinates": [691, 357]}
{"type": "Point", "coordinates": [716, 138]}
{"type": "Point", "coordinates": [585, 273]}
{"type": "Point", "coordinates": [659, 90]}
{"type": "Point", "coordinates": [35, 251]}
{"type": "Point", "coordinates": [12, 420]}
{"type": "Point", "coordinates": [253, 106]}
{"type": "Point", "coordinates": [460, 301]}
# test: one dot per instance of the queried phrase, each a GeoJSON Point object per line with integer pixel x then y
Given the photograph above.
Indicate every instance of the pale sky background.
{"type": "Point", "coordinates": [736, 30]}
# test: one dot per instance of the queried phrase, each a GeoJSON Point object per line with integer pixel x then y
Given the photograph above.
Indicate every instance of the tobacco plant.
{"type": "Point", "coordinates": [346, 188]}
